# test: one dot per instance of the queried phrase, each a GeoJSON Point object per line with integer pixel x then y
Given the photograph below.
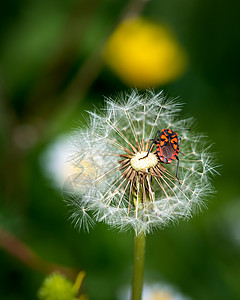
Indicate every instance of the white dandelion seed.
{"type": "Point", "coordinates": [119, 188]}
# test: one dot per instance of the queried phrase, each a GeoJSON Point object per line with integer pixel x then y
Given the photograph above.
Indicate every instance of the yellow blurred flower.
{"type": "Point", "coordinates": [144, 54]}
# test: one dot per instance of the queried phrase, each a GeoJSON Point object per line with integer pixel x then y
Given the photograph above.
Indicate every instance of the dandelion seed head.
{"type": "Point", "coordinates": [121, 186]}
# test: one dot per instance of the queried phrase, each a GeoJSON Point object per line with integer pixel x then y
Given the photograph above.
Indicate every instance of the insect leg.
{"type": "Point", "coordinates": [179, 140]}
{"type": "Point", "coordinates": [153, 141]}
{"type": "Point", "coordinates": [179, 143]}
{"type": "Point", "coordinates": [177, 169]}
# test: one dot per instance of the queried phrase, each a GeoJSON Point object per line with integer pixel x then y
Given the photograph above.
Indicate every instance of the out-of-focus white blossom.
{"type": "Point", "coordinates": [55, 162]}
{"type": "Point", "coordinates": [156, 291]}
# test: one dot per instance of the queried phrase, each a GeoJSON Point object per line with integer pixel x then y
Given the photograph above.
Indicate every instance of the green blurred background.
{"type": "Point", "coordinates": [51, 71]}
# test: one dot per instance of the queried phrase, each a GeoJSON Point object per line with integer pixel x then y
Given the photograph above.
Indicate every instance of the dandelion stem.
{"type": "Point", "coordinates": [139, 251]}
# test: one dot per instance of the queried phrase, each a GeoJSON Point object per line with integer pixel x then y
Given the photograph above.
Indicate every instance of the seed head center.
{"type": "Point", "coordinates": [142, 164]}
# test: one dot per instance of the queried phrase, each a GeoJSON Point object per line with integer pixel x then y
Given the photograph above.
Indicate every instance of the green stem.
{"type": "Point", "coordinates": [139, 251]}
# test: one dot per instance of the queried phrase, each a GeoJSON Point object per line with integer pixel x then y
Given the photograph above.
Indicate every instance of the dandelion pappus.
{"type": "Point", "coordinates": [167, 144]}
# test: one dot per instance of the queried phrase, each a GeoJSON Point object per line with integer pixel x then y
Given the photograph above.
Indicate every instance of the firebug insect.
{"type": "Point", "coordinates": [167, 144]}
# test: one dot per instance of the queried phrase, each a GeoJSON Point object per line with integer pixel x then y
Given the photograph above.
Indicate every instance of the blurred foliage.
{"type": "Point", "coordinates": [51, 71]}
{"type": "Point", "coordinates": [58, 287]}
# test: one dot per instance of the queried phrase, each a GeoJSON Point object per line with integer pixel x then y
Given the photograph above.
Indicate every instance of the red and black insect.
{"type": "Point", "coordinates": [167, 144]}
